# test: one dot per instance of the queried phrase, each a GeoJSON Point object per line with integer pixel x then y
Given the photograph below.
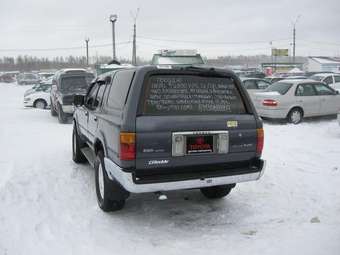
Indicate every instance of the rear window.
{"type": "Point", "coordinates": [190, 95]}
{"type": "Point", "coordinates": [75, 83]}
{"type": "Point", "coordinates": [280, 87]}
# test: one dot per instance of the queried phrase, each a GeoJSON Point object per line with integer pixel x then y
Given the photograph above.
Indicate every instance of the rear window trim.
{"type": "Point", "coordinates": [204, 73]}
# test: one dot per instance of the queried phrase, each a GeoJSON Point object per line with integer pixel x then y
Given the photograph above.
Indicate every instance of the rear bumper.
{"type": "Point", "coordinates": [68, 109]}
{"type": "Point", "coordinates": [272, 113]}
{"type": "Point", "coordinates": [126, 180]}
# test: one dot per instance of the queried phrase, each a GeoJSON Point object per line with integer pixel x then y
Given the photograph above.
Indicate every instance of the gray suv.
{"type": "Point", "coordinates": [149, 129]}
{"type": "Point", "coordinates": [65, 84]}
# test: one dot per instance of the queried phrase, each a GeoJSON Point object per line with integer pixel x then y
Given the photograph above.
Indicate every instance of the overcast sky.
{"type": "Point", "coordinates": [214, 27]}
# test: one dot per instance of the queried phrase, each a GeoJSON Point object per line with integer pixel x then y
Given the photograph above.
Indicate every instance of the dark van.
{"type": "Point", "coordinates": [149, 129]}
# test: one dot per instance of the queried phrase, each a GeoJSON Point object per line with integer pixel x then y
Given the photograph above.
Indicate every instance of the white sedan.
{"type": "Point", "coordinates": [295, 99]}
{"type": "Point", "coordinates": [38, 97]}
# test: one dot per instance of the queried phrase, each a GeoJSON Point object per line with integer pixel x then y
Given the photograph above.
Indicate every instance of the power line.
{"type": "Point", "coordinates": [66, 48]}
{"type": "Point", "coordinates": [320, 42]}
{"type": "Point", "coordinates": [207, 42]}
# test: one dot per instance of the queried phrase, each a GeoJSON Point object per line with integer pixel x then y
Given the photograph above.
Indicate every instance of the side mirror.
{"type": "Point", "coordinates": [78, 100]}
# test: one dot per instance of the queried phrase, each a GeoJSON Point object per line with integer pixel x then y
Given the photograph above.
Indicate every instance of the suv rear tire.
{"type": "Point", "coordinates": [53, 112]}
{"type": "Point", "coordinates": [77, 144]}
{"type": "Point", "coordinates": [104, 187]}
{"type": "Point", "coordinates": [217, 191]}
{"type": "Point", "coordinates": [62, 118]}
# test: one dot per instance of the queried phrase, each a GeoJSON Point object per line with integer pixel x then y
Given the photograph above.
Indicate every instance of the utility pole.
{"type": "Point", "coordinates": [134, 58]}
{"type": "Point", "coordinates": [294, 36]}
{"type": "Point", "coordinates": [87, 50]}
{"type": "Point", "coordinates": [134, 46]}
{"type": "Point", "coordinates": [113, 19]}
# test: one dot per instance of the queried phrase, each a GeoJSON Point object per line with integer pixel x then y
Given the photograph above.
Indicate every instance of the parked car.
{"type": "Point", "coordinates": [27, 79]}
{"type": "Point", "coordinates": [153, 129]}
{"type": "Point", "coordinates": [296, 99]}
{"type": "Point", "coordinates": [65, 84]}
{"type": "Point", "coordinates": [273, 79]}
{"type": "Point", "coordinates": [309, 74]}
{"type": "Point", "coordinates": [6, 78]}
{"type": "Point", "coordinates": [38, 96]}
{"type": "Point", "coordinates": [43, 84]}
{"type": "Point", "coordinates": [331, 79]}
{"type": "Point", "coordinates": [254, 85]}
{"type": "Point", "coordinates": [46, 75]}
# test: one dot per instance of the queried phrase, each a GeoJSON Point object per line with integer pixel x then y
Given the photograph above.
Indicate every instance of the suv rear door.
{"type": "Point", "coordinates": [188, 120]}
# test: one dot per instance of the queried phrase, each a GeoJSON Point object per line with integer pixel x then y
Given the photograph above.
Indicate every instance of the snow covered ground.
{"type": "Point", "coordinates": [48, 204]}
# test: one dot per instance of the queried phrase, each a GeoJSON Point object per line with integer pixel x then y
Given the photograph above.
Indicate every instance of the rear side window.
{"type": "Point", "coordinates": [250, 84]}
{"type": "Point", "coordinates": [280, 87]}
{"type": "Point", "coordinates": [119, 89]}
{"type": "Point", "coordinates": [305, 90]}
{"type": "Point", "coordinates": [190, 95]}
{"type": "Point", "coordinates": [262, 84]}
{"type": "Point", "coordinates": [337, 78]}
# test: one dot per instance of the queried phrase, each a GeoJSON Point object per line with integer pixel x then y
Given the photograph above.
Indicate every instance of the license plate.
{"type": "Point", "coordinates": [199, 144]}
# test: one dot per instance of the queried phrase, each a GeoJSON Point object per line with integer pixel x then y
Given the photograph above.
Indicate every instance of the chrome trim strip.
{"type": "Point", "coordinates": [125, 179]}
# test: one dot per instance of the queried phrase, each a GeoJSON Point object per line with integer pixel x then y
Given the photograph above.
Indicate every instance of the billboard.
{"type": "Point", "coordinates": [279, 52]}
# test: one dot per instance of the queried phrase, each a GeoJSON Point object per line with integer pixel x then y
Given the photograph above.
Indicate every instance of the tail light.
{"type": "Point", "coordinates": [269, 102]}
{"type": "Point", "coordinates": [127, 146]}
{"type": "Point", "coordinates": [260, 141]}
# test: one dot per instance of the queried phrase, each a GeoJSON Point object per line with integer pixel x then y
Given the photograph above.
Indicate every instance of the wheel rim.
{"type": "Point", "coordinates": [101, 180]}
{"type": "Point", "coordinates": [295, 116]}
{"type": "Point", "coordinates": [40, 105]}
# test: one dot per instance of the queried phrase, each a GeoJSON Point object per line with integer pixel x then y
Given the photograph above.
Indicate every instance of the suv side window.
{"type": "Point", "coordinates": [328, 80]}
{"type": "Point", "coordinates": [119, 89]}
{"type": "Point", "coordinates": [99, 97]}
{"type": "Point", "coordinates": [305, 90]}
{"type": "Point", "coordinates": [323, 90]}
{"type": "Point", "coordinates": [337, 78]}
{"type": "Point", "coordinates": [91, 96]}
{"type": "Point", "coordinates": [250, 84]}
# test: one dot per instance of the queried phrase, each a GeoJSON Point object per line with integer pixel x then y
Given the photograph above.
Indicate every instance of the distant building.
{"type": "Point", "coordinates": [281, 67]}
{"type": "Point", "coordinates": [323, 64]}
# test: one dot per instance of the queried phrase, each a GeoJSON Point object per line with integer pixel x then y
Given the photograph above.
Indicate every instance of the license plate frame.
{"type": "Point", "coordinates": [200, 144]}
{"type": "Point", "coordinates": [220, 142]}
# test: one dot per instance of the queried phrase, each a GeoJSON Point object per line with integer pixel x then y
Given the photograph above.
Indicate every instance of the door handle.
{"type": "Point", "coordinates": [95, 118]}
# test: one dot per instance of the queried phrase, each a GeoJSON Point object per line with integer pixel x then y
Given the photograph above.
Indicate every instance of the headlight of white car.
{"type": "Point", "coordinates": [27, 99]}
